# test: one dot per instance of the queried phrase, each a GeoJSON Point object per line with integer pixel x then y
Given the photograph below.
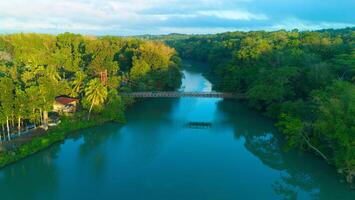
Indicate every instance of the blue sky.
{"type": "Point", "coordinates": [132, 17]}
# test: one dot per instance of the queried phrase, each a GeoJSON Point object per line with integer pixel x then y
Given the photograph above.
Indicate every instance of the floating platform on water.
{"type": "Point", "coordinates": [199, 124]}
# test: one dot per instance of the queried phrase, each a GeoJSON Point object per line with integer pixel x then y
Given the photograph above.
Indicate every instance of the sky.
{"type": "Point", "coordinates": [137, 17]}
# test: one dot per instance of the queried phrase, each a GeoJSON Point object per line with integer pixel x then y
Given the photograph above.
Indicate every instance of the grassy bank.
{"type": "Point", "coordinates": [52, 136]}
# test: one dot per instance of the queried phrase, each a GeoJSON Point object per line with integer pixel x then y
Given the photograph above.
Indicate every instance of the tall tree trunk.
{"type": "Point", "coordinates": [11, 122]}
{"type": "Point", "coordinates": [45, 119]}
{"type": "Point", "coordinates": [19, 126]}
{"type": "Point", "coordinates": [92, 104]}
{"type": "Point", "coordinates": [40, 114]}
{"type": "Point", "coordinates": [8, 128]}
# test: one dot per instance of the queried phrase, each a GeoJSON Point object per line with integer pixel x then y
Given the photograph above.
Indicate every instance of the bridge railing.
{"type": "Point", "coordinates": [176, 94]}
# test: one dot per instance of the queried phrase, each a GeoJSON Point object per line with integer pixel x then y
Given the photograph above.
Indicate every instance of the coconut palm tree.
{"type": "Point", "coordinates": [95, 94]}
{"type": "Point", "coordinates": [78, 83]}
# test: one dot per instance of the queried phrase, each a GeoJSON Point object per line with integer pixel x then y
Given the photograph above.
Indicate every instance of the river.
{"type": "Point", "coordinates": [157, 156]}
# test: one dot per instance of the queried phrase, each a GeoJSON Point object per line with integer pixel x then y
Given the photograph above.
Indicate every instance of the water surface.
{"type": "Point", "coordinates": [156, 156]}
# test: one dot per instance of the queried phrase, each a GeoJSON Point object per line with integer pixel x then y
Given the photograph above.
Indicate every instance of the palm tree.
{"type": "Point", "coordinates": [52, 73]}
{"type": "Point", "coordinates": [77, 83]}
{"type": "Point", "coordinates": [95, 94]}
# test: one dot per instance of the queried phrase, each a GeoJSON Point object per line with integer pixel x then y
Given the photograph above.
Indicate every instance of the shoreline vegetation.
{"type": "Point", "coordinates": [35, 69]}
{"type": "Point", "coordinates": [58, 134]}
{"type": "Point", "coordinates": [304, 80]}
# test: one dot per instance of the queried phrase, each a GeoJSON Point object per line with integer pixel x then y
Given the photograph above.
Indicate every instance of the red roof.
{"type": "Point", "coordinates": [65, 100]}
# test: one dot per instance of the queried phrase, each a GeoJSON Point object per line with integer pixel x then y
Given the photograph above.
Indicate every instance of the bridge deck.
{"type": "Point", "coordinates": [183, 94]}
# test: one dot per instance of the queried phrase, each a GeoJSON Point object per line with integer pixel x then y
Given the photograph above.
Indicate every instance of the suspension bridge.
{"type": "Point", "coordinates": [177, 94]}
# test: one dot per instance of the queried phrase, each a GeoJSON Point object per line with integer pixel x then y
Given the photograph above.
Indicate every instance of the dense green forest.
{"type": "Point", "coordinates": [36, 68]}
{"type": "Point", "coordinates": [303, 80]}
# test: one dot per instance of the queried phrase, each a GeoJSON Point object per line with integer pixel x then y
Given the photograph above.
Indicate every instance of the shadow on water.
{"type": "Point", "coordinates": [157, 110]}
{"type": "Point", "coordinates": [92, 152]}
{"type": "Point", "coordinates": [146, 133]}
{"type": "Point", "coordinates": [89, 154]}
{"type": "Point", "coordinates": [29, 178]}
{"type": "Point", "coordinates": [299, 172]}
{"type": "Point", "coordinates": [38, 177]}
{"type": "Point", "coordinates": [155, 156]}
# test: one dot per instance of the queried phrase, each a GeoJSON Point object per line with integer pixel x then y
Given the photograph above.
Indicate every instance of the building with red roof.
{"type": "Point", "coordinates": [64, 104]}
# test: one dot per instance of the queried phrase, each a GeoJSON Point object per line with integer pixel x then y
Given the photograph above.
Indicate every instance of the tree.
{"type": "Point", "coordinates": [69, 51]}
{"type": "Point", "coordinates": [295, 131]}
{"type": "Point", "coordinates": [272, 86]}
{"type": "Point", "coordinates": [101, 56]}
{"type": "Point", "coordinates": [155, 54]}
{"type": "Point", "coordinates": [335, 124]}
{"type": "Point", "coordinates": [139, 68]}
{"type": "Point", "coordinates": [307, 78]}
{"type": "Point", "coordinates": [7, 97]}
{"type": "Point", "coordinates": [344, 66]}
{"type": "Point", "coordinates": [2, 122]}
{"type": "Point", "coordinates": [33, 104]}
{"type": "Point", "coordinates": [78, 83]}
{"type": "Point", "coordinates": [114, 108]}
{"type": "Point", "coordinates": [45, 83]}
{"type": "Point", "coordinates": [21, 109]}
{"type": "Point", "coordinates": [95, 94]}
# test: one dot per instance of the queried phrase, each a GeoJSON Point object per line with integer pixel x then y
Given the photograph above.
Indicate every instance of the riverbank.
{"type": "Point", "coordinates": [155, 152]}
{"type": "Point", "coordinates": [58, 134]}
{"type": "Point", "coordinates": [45, 139]}
{"type": "Point", "coordinates": [297, 133]}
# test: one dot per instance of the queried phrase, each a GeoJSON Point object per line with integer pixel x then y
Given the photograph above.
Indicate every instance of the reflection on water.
{"type": "Point", "coordinates": [156, 156]}
{"type": "Point", "coordinates": [16, 180]}
{"type": "Point", "coordinates": [299, 172]}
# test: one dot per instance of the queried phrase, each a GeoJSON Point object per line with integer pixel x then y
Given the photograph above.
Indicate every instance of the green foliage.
{"type": "Point", "coordinates": [68, 52]}
{"type": "Point", "coordinates": [271, 87]}
{"type": "Point", "coordinates": [77, 84]}
{"type": "Point", "coordinates": [293, 129]}
{"type": "Point", "coordinates": [36, 68]}
{"type": "Point", "coordinates": [115, 107]}
{"type": "Point", "coordinates": [305, 80]}
{"type": "Point", "coordinates": [139, 68]}
{"type": "Point", "coordinates": [101, 55]}
{"type": "Point", "coordinates": [95, 95]}
{"type": "Point", "coordinates": [58, 134]}
{"type": "Point", "coordinates": [335, 124]}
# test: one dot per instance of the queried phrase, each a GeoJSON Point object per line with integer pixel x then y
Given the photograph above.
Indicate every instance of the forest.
{"type": "Point", "coordinates": [36, 68]}
{"type": "Point", "coordinates": [304, 80]}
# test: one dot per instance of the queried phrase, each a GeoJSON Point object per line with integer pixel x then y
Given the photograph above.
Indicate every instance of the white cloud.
{"type": "Point", "coordinates": [293, 23]}
{"type": "Point", "coordinates": [154, 16]}
{"type": "Point", "coordinates": [233, 15]}
{"type": "Point", "coordinates": [33, 25]}
{"type": "Point", "coordinates": [73, 15]}
{"type": "Point", "coordinates": [189, 30]}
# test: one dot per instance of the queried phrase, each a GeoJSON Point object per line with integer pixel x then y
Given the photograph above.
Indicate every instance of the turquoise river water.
{"type": "Point", "coordinates": [157, 156]}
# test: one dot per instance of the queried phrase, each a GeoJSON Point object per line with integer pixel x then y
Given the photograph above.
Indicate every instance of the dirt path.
{"type": "Point", "coordinates": [9, 145]}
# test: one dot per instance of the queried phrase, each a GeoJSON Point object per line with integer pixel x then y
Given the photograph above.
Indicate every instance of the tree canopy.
{"type": "Point", "coordinates": [36, 68]}
{"type": "Point", "coordinates": [305, 80]}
